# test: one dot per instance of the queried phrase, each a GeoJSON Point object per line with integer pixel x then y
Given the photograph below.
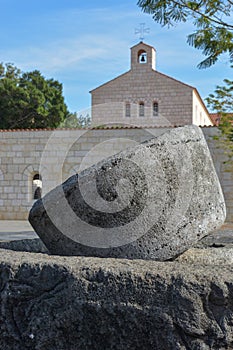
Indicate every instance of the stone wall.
{"type": "Point", "coordinates": [58, 154]}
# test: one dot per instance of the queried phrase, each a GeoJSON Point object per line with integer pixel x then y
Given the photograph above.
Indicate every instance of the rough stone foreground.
{"type": "Point", "coordinates": [172, 199]}
{"type": "Point", "coordinates": [70, 303]}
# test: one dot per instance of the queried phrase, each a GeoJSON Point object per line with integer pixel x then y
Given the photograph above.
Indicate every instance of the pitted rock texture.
{"type": "Point", "coordinates": [152, 201]}
{"type": "Point", "coordinates": [34, 245]}
{"type": "Point", "coordinates": [70, 303]}
{"type": "Point", "coordinates": [213, 256]}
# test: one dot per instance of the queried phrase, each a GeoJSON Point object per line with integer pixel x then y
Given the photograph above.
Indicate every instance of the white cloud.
{"type": "Point", "coordinates": [64, 54]}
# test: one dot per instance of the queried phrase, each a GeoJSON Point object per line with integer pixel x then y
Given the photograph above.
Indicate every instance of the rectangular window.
{"type": "Point", "coordinates": [127, 110]}
{"type": "Point", "coordinates": [155, 109]}
{"type": "Point", "coordinates": [141, 109]}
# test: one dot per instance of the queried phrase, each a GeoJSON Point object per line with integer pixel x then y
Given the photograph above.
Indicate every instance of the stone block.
{"type": "Point", "coordinates": [152, 201]}
{"type": "Point", "coordinates": [60, 303]}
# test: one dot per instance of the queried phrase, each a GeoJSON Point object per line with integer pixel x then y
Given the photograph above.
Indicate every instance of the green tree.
{"type": "Point", "coordinates": [221, 101]}
{"type": "Point", "coordinates": [84, 121]}
{"type": "Point", "coordinates": [28, 100]}
{"type": "Point", "coordinates": [211, 18]}
{"type": "Point", "coordinates": [77, 121]}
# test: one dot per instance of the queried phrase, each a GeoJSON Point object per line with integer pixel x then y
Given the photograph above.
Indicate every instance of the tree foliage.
{"type": "Point", "coordinates": [28, 100]}
{"type": "Point", "coordinates": [77, 121]}
{"type": "Point", "coordinates": [211, 18]}
{"type": "Point", "coordinates": [221, 101]}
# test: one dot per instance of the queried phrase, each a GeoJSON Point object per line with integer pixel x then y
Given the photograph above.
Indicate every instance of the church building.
{"type": "Point", "coordinates": [145, 97]}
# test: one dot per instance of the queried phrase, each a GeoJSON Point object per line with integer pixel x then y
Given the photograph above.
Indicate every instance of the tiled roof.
{"type": "Point", "coordinates": [216, 117]}
{"type": "Point", "coordinates": [107, 127]}
{"type": "Point", "coordinates": [141, 42]}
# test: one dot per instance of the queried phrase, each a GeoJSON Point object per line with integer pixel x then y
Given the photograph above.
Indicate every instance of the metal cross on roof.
{"type": "Point", "coordinates": [142, 31]}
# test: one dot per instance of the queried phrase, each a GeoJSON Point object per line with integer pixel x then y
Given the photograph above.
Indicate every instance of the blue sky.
{"type": "Point", "coordinates": [86, 43]}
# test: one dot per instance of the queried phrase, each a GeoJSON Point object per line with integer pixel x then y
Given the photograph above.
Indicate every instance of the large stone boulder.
{"type": "Point", "coordinates": [70, 303]}
{"type": "Point", "coordinates": [152, 201]}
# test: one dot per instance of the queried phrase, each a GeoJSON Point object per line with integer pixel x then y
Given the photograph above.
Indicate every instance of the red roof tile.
{"type": "Point", "coordinates": [216, 117]}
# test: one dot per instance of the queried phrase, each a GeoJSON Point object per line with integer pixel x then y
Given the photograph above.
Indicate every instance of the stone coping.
{"type": "Point", "coordinates": [103, 128]}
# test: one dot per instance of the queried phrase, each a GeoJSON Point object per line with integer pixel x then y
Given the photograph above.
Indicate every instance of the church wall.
{"type": "Point", "coordinates": [175, 100]}
{"type": "Point", "coordinates": [200, 114]}
{"type": "Point", "coordinates": [58, 154]}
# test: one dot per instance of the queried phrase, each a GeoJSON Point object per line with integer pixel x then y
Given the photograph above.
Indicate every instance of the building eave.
{"type": "Point", "coordinates": [141, 42]}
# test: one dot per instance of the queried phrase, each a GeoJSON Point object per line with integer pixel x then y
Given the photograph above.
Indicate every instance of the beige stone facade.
{"type": "Point", "coordinates": [57, 154]}
{"type": "Point", "coordinates": [145, 97]}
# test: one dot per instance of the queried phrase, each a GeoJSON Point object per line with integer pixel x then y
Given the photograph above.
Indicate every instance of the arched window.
{"type": "Point", "coordinates": [127, 110]}
{"type": "Point", "coordinates": [141, 109]}
{"type": "Point", "coordinates": [155, 109]}
{"type": "Point", "coordinates": [36, 186]}
{"type": "Point", "coordinates": [142, 56]}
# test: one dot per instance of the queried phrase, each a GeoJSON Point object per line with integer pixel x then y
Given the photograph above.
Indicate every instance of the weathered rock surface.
{"type": "Point", "coordinates": [212, 256]}
{"type": "Point", "coordinates": [152, 201]}
{"type": "Point", "coordinates": [223, 237]}
{"type": "Point", "coordinates": [34, 245]}
{"type": "Point", "coordinates": [214, 249]}
{"type": "Point", "coordinates": [70, 303]}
